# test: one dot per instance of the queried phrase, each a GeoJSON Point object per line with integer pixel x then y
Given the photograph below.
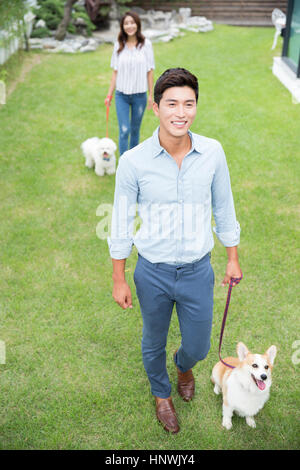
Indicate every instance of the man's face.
{"type": "Point", "coordinates": [176, 111]}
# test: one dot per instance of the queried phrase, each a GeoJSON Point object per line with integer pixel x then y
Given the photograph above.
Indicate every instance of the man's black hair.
{"type": "Point", "coordinates": [176, 77]}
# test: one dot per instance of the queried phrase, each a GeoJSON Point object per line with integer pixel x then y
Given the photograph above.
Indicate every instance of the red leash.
{"type": "Point", "coordinates": [107, 115]}
{"type": "Point", "coordinates": [235, 280]}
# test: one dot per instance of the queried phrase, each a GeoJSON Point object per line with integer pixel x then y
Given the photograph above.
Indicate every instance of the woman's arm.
{"type": "Point", "coordinates": [150, 88]}
{"type": "Point", "coordinates": [112, 86]}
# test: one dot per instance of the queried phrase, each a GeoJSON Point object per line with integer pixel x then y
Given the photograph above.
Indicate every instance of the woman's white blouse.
{"type": "Point", "coordinates": [132, 66]}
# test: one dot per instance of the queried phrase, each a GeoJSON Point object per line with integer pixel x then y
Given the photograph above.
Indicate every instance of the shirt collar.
{"type": "Point", "coordinates": [158, 149]}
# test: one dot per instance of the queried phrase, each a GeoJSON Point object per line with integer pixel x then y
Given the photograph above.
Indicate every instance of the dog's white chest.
{"type": "Point", "coordinates": [244, 401]}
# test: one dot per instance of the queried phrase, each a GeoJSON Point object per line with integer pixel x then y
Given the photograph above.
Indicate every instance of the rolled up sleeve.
{"type": "Point", "coordinates": [227, 227]}
{"type": "Point", "coordinates": [124, 211]}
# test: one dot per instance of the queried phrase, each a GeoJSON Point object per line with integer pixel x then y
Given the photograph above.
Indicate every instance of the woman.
{"type": "Point", "coordinates": [133, 64]}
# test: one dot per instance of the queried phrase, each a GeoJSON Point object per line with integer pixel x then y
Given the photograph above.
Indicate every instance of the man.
{"type": "Point", "coordinates": [175, 177]}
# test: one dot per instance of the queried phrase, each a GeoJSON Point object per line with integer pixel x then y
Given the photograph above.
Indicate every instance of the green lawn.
{"type": "Point", "coordinates": [73, 377]}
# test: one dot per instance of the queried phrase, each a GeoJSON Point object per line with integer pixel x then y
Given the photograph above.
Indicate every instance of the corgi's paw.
{"type": "Point", "coordinates": [250, 421]}
{"type": "Point", "coordinates": [226, 423]}
{"type": "Point", "coordinates": [217, 389]}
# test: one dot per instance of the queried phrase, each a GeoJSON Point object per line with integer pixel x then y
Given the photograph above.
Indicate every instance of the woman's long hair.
{"type": "Point", "coordinates": [122, 38]}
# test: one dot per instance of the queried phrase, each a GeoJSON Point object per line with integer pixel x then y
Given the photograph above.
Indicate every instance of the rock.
{"type": "Point", "coordinates": [185, 13]}
{"type": "Point", "coordinates": [80, 22]}
{"type": "Point", "coordinates": [44, 46]}
{"type": "Point", "coordinates": [114, 13]}
{"type": "Point", "coordinates": [70, 45]}
{"type": "Point", "coordinates": [87, 49]}
{"type": "Point", "coordinates": [40, 24]}
{"type": "Point", "coordinates": [90, 46]}
{"type": "Point", "coordinates": [80, 26]}
{"type": "Point", "coordinates": [84, 43]}
{"type": "Point", "coordinates": [92, 42]}
{"type": "Point", "coordinates": [170, 23]}
{"type": "Point", "coordinates": [76, 45]}
{"type": "Point", "coordinates": [49, 43]}
{"type": "Point", "coordinates": [153, 34]}
{"type": "Point", "coordinates": [157, 35]}
{"type": "Point", "coordinates": [200, 23]}
{"type": "Point", "coordinates": [64, 47]}
{"type": "Point", "coordinates": [156, 19]}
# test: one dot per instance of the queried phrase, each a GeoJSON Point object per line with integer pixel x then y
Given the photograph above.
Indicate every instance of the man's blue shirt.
{"type": "Point", "coordinates": [175, 204]}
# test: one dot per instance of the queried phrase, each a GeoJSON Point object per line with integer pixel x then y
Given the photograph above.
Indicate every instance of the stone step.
{"type": "Point", "coordinates": [244, 12]}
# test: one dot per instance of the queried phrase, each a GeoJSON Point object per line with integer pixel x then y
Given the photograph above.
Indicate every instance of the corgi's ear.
{"type": "Point", "coordinates": [271, 353]}
{"type": "Point", "coordinates": [242, 351]}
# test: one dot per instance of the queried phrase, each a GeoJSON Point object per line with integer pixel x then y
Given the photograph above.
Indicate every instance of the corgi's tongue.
{"type": "Point", "coordinates": [261, 384]}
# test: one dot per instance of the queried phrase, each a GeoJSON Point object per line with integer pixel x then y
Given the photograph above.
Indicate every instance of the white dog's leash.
{"type": "Point", "coordinates": [107, 116]}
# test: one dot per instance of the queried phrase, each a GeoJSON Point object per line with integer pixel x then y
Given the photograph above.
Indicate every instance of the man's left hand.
{"type": "Point", "coordinates": [233, 270]}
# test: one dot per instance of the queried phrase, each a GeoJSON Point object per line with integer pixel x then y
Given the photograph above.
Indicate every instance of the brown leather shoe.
{"type": "Point", "coordinates": [186, 384]}
{"type": "Point", "coordinates": [166, 414]}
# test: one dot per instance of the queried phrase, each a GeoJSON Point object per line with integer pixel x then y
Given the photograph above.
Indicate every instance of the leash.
{"type": "Point", "coordinates": [235, 280]}
{"type": "Point", "coordinates": [107, 116]}
{"type": "Point", "coordinates": [107, 103]}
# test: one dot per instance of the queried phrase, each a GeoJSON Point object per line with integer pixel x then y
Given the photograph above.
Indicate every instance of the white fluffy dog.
{"type": "Point", "coordinates": [100, 153]}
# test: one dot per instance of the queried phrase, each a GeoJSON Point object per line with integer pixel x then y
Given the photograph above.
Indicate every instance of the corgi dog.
{"type": "Point", "coordinates": [246, 388]}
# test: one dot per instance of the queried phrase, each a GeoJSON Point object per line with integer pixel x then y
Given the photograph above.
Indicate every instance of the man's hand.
{"type": "Point", "coordinates": [121, 291]}
{"type": "Point", "coordinates": [122, 294]}
{"type": "Point", "coordinates": [233, 269]}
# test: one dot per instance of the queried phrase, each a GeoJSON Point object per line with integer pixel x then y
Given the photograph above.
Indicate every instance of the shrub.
{"type": "Point", "coordinates": [40, 33]}
{"type": "Point", "coordinates": [51, 11]}
{"type": "Point", "coordinates": [80, 12]}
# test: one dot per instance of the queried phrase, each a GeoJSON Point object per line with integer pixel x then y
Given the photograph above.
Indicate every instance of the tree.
{"type": "Point", "coordinates": [62, 27]}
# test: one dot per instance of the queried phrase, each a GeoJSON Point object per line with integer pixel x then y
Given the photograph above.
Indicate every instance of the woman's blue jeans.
{"type": "Point", "coordinates": [129, 123]}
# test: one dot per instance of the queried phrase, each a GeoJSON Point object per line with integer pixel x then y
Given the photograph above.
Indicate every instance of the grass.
{"type": "Point", "coordinates": [73, 377]}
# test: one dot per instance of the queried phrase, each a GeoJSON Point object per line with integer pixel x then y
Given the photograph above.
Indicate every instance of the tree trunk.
{"type": "Point", "coordinates": [62, 27]}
